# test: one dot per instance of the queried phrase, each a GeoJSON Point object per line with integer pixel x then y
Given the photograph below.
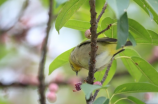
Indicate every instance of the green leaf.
{"type": "Point", "coordinates": [88, 89]}
{"type": "Point", "coordinates": [154, 37]}
{"type": "Point", "coordinates": [131, 67]}
{"type": "Point", "coordinates": [106, 21]}
{"type": "Point", "coordinates": [153, 4]}
{"type": "Point", "coordinates": [118, 100]}
{"type": "Point", "coordinates": [2, 1]}
{"type": "Point", "coordinates": [150, 14]}
{"type": "Point", "coordinates": [67, 11]}
{"type": "Point", "coordinates": [78, 25]}
{"type": "Point", "coordinates": [122, 30]}
{"type": "Point", "coordinates": [146, 69]}
{"type": "Point", "coordinates": [135, 88]}
{"type": "Point", "coordinates": [149, 6]}
{"type": "Point", "coordinates": [60, 60]}
{"type": "Point", "coordinates": [112, 32]}
{"type": "Point", "coordinates": [59, 2]}
{"type": "Point", "coordinates": [107, 101]}
{"type": "Point", "coordinates": [135, 100]}
{"type": "Point", "coordinates": [99, 74]}
{"type": "Point", "coordinates": [138, 31]}
{"type": "Point", "coordinates": [119, 6]}
{"type": "Point", "coordinates": [131, 38]}
{"type": "Point", "coordinates": [100, 100]}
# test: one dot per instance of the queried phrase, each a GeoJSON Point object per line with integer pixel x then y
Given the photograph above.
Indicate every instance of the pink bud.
{"type": "Point", "coordinates": [53, 87]}
{"type": "Point", "coordinates": [97, 83]}
{"type": "Point", "coordinates": [51, 97]}
{"type": "Point", "coordinates": [148, 96]}
{"type": "Point", "coordinates": [88, 34]}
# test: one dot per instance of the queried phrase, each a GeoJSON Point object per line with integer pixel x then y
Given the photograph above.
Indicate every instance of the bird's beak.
{"type": "Point", "coordinates": [76, 73]}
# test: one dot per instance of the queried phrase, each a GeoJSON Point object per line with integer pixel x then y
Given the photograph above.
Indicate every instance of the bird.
{"type": "Point", "coordinates": [106, 49]}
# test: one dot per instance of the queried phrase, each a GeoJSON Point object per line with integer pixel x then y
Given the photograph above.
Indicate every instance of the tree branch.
{"type": "Point", "coordinates": [43, 57]}
{"type": "Point", "coordinates": [107, 28]}
{"type": "Point", "coordinates": [104, 78]}
{"type": "Point", "coordinates": [94, 35]}
{"type": "Point", "coordinates": [102, 12]}
{"type": "Point", "coordinates": [15, 84]}
{"type": "Point", "coordinates": [93, 30]}
{"type": "Point", "coordinates": [26, 85]}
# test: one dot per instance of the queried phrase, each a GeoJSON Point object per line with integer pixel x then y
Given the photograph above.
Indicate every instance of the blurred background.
{"type": "Point", "coordinates": [22, 30]}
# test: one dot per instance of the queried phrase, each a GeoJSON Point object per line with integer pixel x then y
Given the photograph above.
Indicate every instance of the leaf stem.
{"type": "Point", "coordinates": [111, 98]}
{"type": "Point", "coordinates": [107, 93]}
{"type": "Point", "coordinates": [122, 57]}
{"type": "Point", "coordinates": [119, 100]}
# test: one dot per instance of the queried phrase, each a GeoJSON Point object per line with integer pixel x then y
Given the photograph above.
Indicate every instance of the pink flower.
{"type": "Point", "coordinates": [97, 83]}
{"type": "Point", "coordinates": [77, 87]}
{"type": "Point", "coordinates": [53, 87]}
{"type": "Point", "coordinates": [51, 97]}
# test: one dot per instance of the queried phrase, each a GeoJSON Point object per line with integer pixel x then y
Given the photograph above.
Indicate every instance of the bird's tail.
{"type": "Point", "coordinates": [128, 43]}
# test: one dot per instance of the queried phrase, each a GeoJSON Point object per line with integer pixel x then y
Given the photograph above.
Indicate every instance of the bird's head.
{"type": "Point", "coordinates": [76, 68]}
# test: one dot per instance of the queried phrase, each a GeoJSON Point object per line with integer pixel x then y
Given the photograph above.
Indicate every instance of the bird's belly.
{"type": "Point", "coordinates": [102, 60]}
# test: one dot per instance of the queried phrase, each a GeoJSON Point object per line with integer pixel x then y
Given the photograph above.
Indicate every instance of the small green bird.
{"type": "Point", "coordinates": [79, 57]}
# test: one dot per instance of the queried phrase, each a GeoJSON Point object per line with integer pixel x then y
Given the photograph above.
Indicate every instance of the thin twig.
{"type": "Point", "coordinates": [104, 78]}
{"type": "Point", "coordinates": [106, 72]}
{"type": "Point", "coordinates": [102, 12]}
{"type": "Point", "coordinates": [26, 85]}
{"type": "Point", "coordinates": [107, 28]}
{"type": "Point", "coordinates": [15, 84]}
{"type": "Point", "coordinates": [43, 57]}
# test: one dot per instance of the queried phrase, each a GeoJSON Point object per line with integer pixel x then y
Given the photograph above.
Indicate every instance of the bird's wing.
{"type": "Point", "coordinates": [104, 40]}
{"type": "Point", "coordinates": [107, 40]}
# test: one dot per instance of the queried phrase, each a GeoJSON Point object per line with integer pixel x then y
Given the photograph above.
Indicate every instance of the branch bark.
{"type": "Point", "coordinates": [41, 87]}
{"type": "Point", "coordinates": [107, 28]}
{"type": "Point", "coordinates": [26, 85]}
{"type": "Point", "coordinates": [93, 30]}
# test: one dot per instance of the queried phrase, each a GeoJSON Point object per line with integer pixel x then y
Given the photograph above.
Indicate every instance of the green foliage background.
{"type": "Point", "coordinates": [140, 22]}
